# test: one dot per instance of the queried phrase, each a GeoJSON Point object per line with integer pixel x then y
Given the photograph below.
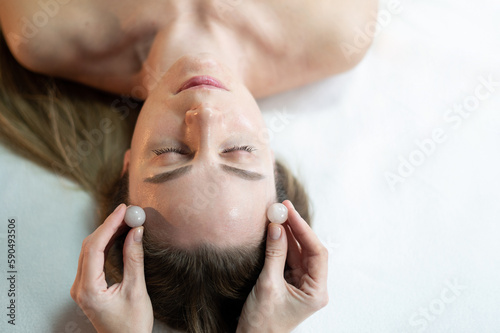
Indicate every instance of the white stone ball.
{"type": "Point", "coordinates": [135, 216]}
{"type": "Point", "coordinates": [277, 213]}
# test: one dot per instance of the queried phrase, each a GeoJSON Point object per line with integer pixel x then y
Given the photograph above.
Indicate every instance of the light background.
{"type": "Point", "coordinates": [421, 256]}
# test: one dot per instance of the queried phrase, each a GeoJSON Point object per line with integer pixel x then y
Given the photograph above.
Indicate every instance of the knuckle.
{"type": "Point", "coordinates": [320, 301]}
{"type": "Point", "coordinates": [135, 294]}
{"type": "Point", "coordinates": [269, 288]}
{"type": "Point", "coordinates": [323, 252]}
{"type": "Point", "coordinates": [88, 251]}
{"type": "Point", "coordinates": [137, 258]}
{"type": "Point", "coordinates": [81, 299]}
{"type": "Point", "coordinates": [86, 241]}
{"type": "Point", "coordinates": [274, 253]}
{"type": "Point", "coordinates": [86, 245]}
{"type": "Point", "coordinates": [266, 286]}
{"type": "Point", "coordinates": [83, 295]}
{"type": "Point", "coordinates": [324, 301]}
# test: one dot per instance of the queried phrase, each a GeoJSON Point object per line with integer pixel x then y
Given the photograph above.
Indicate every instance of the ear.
{"type": "Point", "coordinates": [126, 161]}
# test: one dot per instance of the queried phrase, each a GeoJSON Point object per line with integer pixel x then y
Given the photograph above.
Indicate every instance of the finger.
{"type": "Point", "coordinates": [302, 231]}
{"type": "Point", "coordinates": [120, 231]}
{"type": "Point", "coordinates": [78, 274]}
{"type": "Point", "coordinates": [80, 262]}
{"type": "Point", "coordinates": [78, 277]}
{"type": "Point", "coordinates": [133, 259]}
{"type": "Point", "coordinates": [294, 257]}
{"type": "Point", "coordinates": [313, 250]}
{"type": "Point", "coordinates": [93, 253]}
{"type": "Point", "coordinates": [276, 250]}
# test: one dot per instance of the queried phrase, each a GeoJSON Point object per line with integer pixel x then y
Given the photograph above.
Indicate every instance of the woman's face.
{"type": "Point", "coordinates": [199, 163]}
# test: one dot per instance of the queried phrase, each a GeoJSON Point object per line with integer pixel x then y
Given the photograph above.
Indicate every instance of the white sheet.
{"type": "Point", "coordinates": [420, 256]}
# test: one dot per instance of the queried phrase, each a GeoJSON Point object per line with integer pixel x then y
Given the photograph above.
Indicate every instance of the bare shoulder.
{"type": "Point", "coordinates": [337, 33]}
{"type": "Point", "coordinates": [316, 39]}
{"type": "Point", "coordinates": [18, 25]}
{"type": "Point", "coordinates": [45, 36]}
{"type": "Point", "coordinates": [28, 28]}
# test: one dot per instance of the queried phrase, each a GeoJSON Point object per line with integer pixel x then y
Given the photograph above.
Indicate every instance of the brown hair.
{"type": "Point", "coordinates": [72, 130]}
{"type": "Point", "coordinates": [82, 134]}
{"type": "Point", "coordinates": [202, 289]}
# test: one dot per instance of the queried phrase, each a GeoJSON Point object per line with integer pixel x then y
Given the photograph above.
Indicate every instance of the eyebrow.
{"type": "Point", "coordinates": [169, 175]}
{"type": "Point", "coordinates": [244, 174]}
{"type": "Point", "coordinates": [176, 173]}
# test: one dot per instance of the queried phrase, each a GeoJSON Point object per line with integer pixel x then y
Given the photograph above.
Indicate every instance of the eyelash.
{"type": "Point", "coordinates": [235, 148]}
{"type": "Point", "coordinates": [183, 152]}
{"type": "Point", "coordinates": [169, 150]}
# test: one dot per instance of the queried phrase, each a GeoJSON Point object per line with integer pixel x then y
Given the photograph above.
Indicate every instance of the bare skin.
{"type": "Point", "coordinates": [125, 46]}
{"type": "Point", "coordinates": [149, 49]}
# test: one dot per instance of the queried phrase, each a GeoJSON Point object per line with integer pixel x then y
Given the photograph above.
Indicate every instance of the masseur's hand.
{"type": "Point", "coordinates": [278, 303]}
{"type": "Point", "coordinates": [125, 306]}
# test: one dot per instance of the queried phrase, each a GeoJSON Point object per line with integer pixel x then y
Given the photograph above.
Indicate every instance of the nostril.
{"type": "Point", "coordinates": [202, 114]}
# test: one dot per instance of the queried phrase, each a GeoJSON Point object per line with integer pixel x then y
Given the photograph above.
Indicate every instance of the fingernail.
{"type": "Point", "coordinates": [291, 204]}
{"type": "Point", "coordinates": [274, 232]}
{"type": "Point", "coordinates": [138, 234]}
{"type": "Point", "coordinates": [118, 207]}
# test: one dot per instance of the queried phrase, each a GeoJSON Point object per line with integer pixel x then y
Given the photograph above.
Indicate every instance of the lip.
{"type": "Point", "coordinates": [203, 81]}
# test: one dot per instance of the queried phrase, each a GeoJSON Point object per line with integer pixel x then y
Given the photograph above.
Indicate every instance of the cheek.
{"type": "Point", "coordinates": [248, 122]}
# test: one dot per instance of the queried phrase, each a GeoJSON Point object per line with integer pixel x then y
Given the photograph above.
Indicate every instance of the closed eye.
{"type": "Point", "coordinates": [236, 148]}
{"type": "Point", "coordinates": [182, 151]}
{"type": "Point", "coordinates": [170, 150]}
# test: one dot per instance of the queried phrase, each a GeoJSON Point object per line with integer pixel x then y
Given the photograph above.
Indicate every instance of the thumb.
{"type": "Point", "coordinates": [133, 258]}
{"type": "Point", "coordinates": [276, 250]}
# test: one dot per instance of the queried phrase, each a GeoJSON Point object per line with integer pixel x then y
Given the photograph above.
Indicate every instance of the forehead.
{"type": "Point", "coordinates": [206, 184]}
{"type": "Point", "coordinates": [208, 206]}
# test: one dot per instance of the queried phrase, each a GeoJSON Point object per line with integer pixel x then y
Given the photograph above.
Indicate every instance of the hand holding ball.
{"type": "Point", "coordinates": [277, 213]}
{"type": "Point", "coordinates": [135, 216]}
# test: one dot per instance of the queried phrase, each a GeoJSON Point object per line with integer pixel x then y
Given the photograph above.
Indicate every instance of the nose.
{"type": "Point", "coordinates": [201, 126]}
{"type": "Point", "coordinates": [201, 115]}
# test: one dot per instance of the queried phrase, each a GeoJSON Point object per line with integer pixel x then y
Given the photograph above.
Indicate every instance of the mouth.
{"type": "Point", "coordinates": [201, 82]}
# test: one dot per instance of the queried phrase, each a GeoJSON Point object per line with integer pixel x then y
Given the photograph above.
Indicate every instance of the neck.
{"type": "Point", "coordinates": [188, 36]}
